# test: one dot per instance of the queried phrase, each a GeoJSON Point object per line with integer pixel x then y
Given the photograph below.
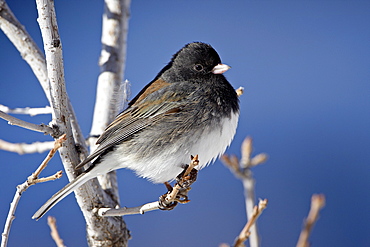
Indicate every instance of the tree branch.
{"type": "Point", "coordinates": [25, 148]}
{"type": "Point", "coordinates": [242, 170]}
{"type": "Point", "coordinates": [245, 233]}
{"type": "Point", "coordinates": [52, 222]}
{"type": "Point", "coordinates": [240, 91]}
{"type": "Point", "coordinates": [35, 59]}
{"type": "Point", "coordinates": [111, 92]}
{"type": "Point", "coordinates": [317, 203]}
{"type": "Point", "coordinates": [24, 43]}
{"type": "Point", "coordinates": [100, 232]}
{"type": "Point", "coordinates": [27, 111]}
{"type": "Point", "coordinates": [52, 80]}
{"type": "Point", "coordinates": [33, 179]}
{"type": "Point", "coordinates": [35, 127]}
{"type": "Point", "coordinates": [105, 212]}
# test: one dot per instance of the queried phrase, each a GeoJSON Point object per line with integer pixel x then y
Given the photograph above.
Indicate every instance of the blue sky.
{"type": "Point", "coordinates": [305, 67]}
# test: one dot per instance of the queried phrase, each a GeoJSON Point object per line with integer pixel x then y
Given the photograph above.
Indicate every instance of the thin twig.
{"type": "Point", "coordinates": [317, 203]}
{"type": "Point", "coordinates": [35, 127]}
{"type": "Point", "coordinates": [52, 222]}
{"type": "Point", "coordinates": [25, 148]}
{"type": "Point", "coordinates": [128, 211]}
{"type": "Point", "coordinates": [242, 170]}
{"type": "Point", "coordinates": [194, 162]}
{"type": "Point", "coordinates": [57, 175]}
{"type": "Point", "coordinates": [33, 179]}
{"type": "Point", "coordinates": [57, 144]}
{"type": "Point", "coordinates": [32, 111]}
{"type": "Point", "coordinates": [240, 91]}
{"type": "Point", "coordinates": [245, 233]}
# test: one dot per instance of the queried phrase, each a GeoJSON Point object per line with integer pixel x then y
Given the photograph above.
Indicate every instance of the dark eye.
{"type": "Point", "coordinates": [198, 67]}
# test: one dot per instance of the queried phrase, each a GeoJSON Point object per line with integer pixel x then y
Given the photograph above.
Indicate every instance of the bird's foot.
{"type": "Point", "coordinates": [186, 178]}
{"type": "Point", "coordinates": [179, 192]}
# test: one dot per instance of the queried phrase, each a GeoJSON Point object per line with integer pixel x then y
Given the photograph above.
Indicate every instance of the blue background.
{"type": "Point", "coordinates": [305, 67]}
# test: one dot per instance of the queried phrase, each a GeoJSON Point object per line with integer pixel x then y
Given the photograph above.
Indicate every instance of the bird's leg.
{"type": "Point", "coordinates": [163, 202]}
{"type": "Point", "coordinates": [186, 178]}
{"type": "Point", "coordinates": [179, 193]}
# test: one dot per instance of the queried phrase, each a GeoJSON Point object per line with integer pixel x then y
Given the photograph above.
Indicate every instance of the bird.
{"type": "Point", "coordinates": [188, 108]}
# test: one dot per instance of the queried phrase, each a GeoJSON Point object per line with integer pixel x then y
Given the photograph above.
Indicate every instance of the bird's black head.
{"type": "Point", "coordinates": [194, 60]}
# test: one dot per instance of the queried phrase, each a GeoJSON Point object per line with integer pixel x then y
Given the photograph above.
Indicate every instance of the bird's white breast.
{"type": "Point", "coordinates": [208, 143]}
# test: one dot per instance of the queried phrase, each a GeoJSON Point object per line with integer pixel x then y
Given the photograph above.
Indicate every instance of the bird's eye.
{"type": "Point", "coordinates": [198, 67]}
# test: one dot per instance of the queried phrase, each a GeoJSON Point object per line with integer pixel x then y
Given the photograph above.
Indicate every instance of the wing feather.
{"type": "Point", "coordinates": [137, 117]}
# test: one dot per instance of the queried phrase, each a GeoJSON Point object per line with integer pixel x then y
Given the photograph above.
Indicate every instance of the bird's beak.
{"type": "Point", "coordinates": [220, 68]}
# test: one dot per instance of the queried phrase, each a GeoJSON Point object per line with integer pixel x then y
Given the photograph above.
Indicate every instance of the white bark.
{"type": "Point", "coordinates": [242, 170]}
{"type": "Point", "coordinates": [110, 82]}
{"type": "Point", "coordinates": [24, 43]}
{"type": "Point", "coordinates": [27, 110]}
{"type": "Point", "coordinates": [25, 148]}
{"type": "Point", "coordinates": [35, 127]}
{"type": "Point", "coordinates": [31, 180]}
{"type": "Point", "coordinates": [101, 232]}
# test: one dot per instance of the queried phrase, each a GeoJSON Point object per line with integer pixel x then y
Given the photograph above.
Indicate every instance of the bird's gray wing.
{"type": "Point", "coordinates": [142, 114]}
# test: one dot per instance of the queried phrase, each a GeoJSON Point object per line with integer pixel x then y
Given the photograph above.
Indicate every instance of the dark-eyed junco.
{"type": "Point", "coordinates": [189, 108]}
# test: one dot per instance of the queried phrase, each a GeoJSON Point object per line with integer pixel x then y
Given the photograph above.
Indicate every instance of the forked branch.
{"type": "Point", "coordinates": [33, 179]}
{"type": "Point", "coordinates": [242, 170]}
{"type": "Point", "coordinates": [245, 233]}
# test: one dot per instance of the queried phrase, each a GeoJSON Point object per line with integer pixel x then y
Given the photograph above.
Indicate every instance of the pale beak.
{"type": "Point", "coordinates": [220, 68]}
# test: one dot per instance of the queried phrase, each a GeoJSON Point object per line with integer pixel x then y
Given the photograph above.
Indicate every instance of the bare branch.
{"type": "Point", "coordinates": [52, 222]}
{"type": "Point", "coordinates": [57, 175]}
{"type": "Point", "coordinates": [259, 159]}
{"type": "Point", "coordinates": [128, 211]}
{"type": "Point", "coordinates": [27, 111]}
{"type": "Point", "coordinates": [240, 91]}
{"type": "Point", "coordinates": [52, 80]}
{"type": "Point", "coordinates": [111, 92]}
{"type": "Point", "coordinates": [112, 64]}
{"type": "Point", "coordinates": [194, 162]}
{"type": "Point", "coordinates": [25, 148]}
{"type": "Point", "coordinates": [18, 122]}
{"type": "Point", "coordinates": [35, 59]}
{"type": "Point", "coordinates": [57, 144]}
{"type": "Point", "coordinates": [242, 170]}
{"type": "Point", "coordinates": [24, 43]}
{"type": "Point", "coordinates": [62, 111]}
{"type": "Point", "coordinates": [245, 233]}
{"type": "Point", "coordinates": [232, 162]}
{"type": "Point", "coordinates": [64, 117]}
{"type": "Point", "coordinates": [33, 179]}
{"type": "Point", "coordinates": [246, 150]}
{"type": "Point", "coordinates": [317, 203]}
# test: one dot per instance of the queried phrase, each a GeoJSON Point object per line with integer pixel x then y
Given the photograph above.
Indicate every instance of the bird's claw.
{"type": "Point", "coordinates": [186, 180]}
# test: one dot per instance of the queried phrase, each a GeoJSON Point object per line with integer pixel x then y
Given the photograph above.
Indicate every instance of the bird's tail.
{"type": "Point", "coordinates": [69, 188]}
